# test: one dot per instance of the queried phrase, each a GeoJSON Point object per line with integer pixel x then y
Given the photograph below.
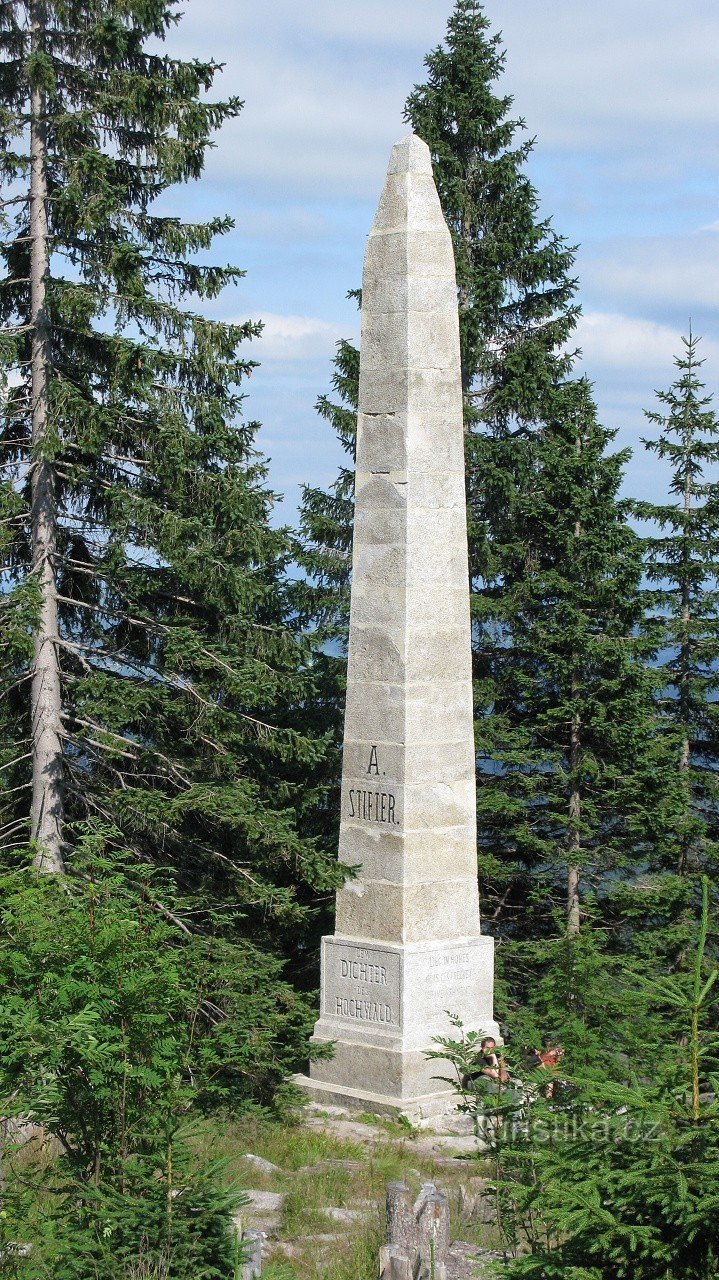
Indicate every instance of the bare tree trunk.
{"type": "Point", "coordinates": [46, 819]}
{"type": "Point", "coordinates": [684, 663]}
{"type": "Point", "coordinates": [575, 812]}
{"type": "Point", "coordinates": [575, 799]}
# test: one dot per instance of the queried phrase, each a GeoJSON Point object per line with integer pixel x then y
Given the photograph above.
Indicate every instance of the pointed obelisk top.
{"type": "Point", "coordinates": [409, 205]}
{"type": "Point", "coordinates": [410, 155]}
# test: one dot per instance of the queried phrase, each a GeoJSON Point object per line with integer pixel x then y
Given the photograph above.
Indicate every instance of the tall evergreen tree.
{"type": "Point", "coordinates": [148, 670]}
{"type": "Point", "coordinates": [682, 566]}
{"type": "Point", "coordinates": [515, 288]}
{"type": "Point", "coordinates": [564, 698]}
{"type": "Point", "coordinates": [326, 517]}
{"type": "Point", "coordinates": [322, 595]}
{"type": "Point", "coordinates": [554, 568]}
{"type": "Point", "coordinates": [515, 300]}
{"type": "Point", "coordinates": [606, 1167]}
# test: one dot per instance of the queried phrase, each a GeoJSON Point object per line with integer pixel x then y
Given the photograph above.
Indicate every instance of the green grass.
{"type": "Point", "coordinates": [285, 1144]}
{"type": "Point", "coordinates": [395, 1126]}
{"type": "Point", "coordinates": [390, 1152]}
{"type": "Point", "coordinates": [356, 1258]}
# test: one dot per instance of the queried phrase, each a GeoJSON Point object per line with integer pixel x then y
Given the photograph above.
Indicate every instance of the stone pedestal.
{"type": "Point", "coordinates": [382, 1003]}
{"type": "Point", "coordinates": [407, 947]}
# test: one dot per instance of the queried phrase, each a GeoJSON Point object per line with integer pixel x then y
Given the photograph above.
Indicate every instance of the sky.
{"type": "Point", "coordinates": [622, 99]}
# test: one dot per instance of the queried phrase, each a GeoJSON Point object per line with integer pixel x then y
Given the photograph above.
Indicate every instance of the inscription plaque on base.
{"type": "Point", "coordinates": [361, 983]}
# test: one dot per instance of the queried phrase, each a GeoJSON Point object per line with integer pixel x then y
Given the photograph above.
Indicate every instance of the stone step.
{"type": "Point", "coordinates": [260, 1165]}
{"type": "Point", "coordinates": [339, 1214]}
{"type": "Point", "coordinates": [327, 1166]}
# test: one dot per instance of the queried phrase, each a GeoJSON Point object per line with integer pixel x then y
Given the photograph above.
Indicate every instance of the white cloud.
{"type": "Point", "coordinates": [622, 100]}
{"type": "Point", "coordinates": [629, 358]}
{"type": "Point", "coordinates": [612, 342]}
{"type": "Point", "coordinates": [325, 84]}
{"type": "Point", "coordinates": [297, 337]}
{"type": "Point", "coordinates": [288, 226]}
{"type": "Point", "coordinates": [606, 75]}
{"type": "Point", "coordinates": [674, 272]}
{"type": "Point", "coordinates": [323, 88]}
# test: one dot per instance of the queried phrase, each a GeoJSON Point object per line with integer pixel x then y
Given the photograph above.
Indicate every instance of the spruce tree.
{"type": "Point", "coordinates": [554, 568]}
{"type": "Point", "coordinates": [103, 1043]}
{"type": "Point", "coordinates": [326, 517]}
{"type": "Point", "coordinates": [515, 289]}
{"type": "Point", "coordinates": [604, 1165]}
{"type": "Point", "coordinates": [515, 296]}
{"type": "Point", "coordinates": [321, 598]}
{"type": "Point", "coordinates": [616, 1174]}
{"type": "Point", "coordinates": [682, 567]}
{"type": "Point", "coordinates": [149, 674]}
{"type": "Point", "coordinates": [565, 739]}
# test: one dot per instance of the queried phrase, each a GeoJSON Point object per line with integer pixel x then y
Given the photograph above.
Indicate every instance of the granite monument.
{"type": "Point", "coordinates": [407, 946]}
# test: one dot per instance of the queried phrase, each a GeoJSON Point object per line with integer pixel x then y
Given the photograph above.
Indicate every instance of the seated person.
{"type": "Point", "coordinates": [490, 1062]}
{"type": "Point", "coordinates": [550, 1056]}
{"type": "Point", "coordinates": [488, 1067]}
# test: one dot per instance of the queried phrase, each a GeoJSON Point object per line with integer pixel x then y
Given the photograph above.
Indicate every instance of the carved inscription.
{"type": "Point", "coordinates": [362, 971]}
{"type": "Point", "coordinates": [372, 806]}
{"type": "Point", "coordinates": [364, 1010]}
{"type": "Point", "coordinates": [362, 984]}
{"type": "Point", "coordinates": [449, 968]}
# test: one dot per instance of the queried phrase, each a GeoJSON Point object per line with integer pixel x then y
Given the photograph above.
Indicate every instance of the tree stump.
{"type": "Point", "coordinates": [393, 1264]}
{"type": "Point", "coordinates": [418, 1234]}
{"type": "Point", "coordinates": [401, 1222]}
{"type": "Point", "coordinates": [252, 1248]}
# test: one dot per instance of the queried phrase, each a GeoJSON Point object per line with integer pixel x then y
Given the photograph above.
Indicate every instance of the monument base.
{"type": "Point", "coordinates": [383, 1007]}
{"type": "Point", "coordinates": [430, 1106]}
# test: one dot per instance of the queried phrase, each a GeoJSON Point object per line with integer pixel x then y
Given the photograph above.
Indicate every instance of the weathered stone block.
{"type": "Point", "coordinates": [404, 294]}
{"type": "Point", "coordinates": [450, 605]}
{"type": "Point", "coordinates": [408, 912]}
{"type": "Point", "coordinates": [383, 443]}
{"type": "Point", "coordinates": [428, 490]}
{"type": "Point", "coordinates": [380, 491]}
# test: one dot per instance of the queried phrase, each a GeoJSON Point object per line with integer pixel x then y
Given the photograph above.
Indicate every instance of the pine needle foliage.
{"type": "Point", "coordinates": [620, 1177]}
{"type": "Point", "coordinates": [111, 1036]}
{"type": "Point", "coordinates": [513, 275]}
{"type": "Point", "coordinates": [682, 568]}
{"type": "Point", "coordinates": [326, 518]}
{"type": "Point", "coordinates": [561, 696]}
{"type": "Point", "coordinates": [140, 560]}
{"type": "Point", "coordinates": [564, 736]}
{"type": "Point", "coordinates": [606, 1166]}
{"type": "Point", "coordinates": [513, 271]}
{"type": "Point", "coordinates": [321, 597]}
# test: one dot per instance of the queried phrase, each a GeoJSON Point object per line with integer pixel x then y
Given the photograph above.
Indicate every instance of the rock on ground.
{"type": "Point", "coordinates": [262, 1166]}
{"type": "Point", "coordinates": [469, 1262]}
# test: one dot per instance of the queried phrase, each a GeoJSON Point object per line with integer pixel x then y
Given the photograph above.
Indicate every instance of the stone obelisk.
{"type": "Point", "coordinates": [407, 946]}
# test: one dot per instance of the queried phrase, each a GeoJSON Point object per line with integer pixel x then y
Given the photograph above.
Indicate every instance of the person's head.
{"type": "Point", "coordinates": [488, 1045]}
